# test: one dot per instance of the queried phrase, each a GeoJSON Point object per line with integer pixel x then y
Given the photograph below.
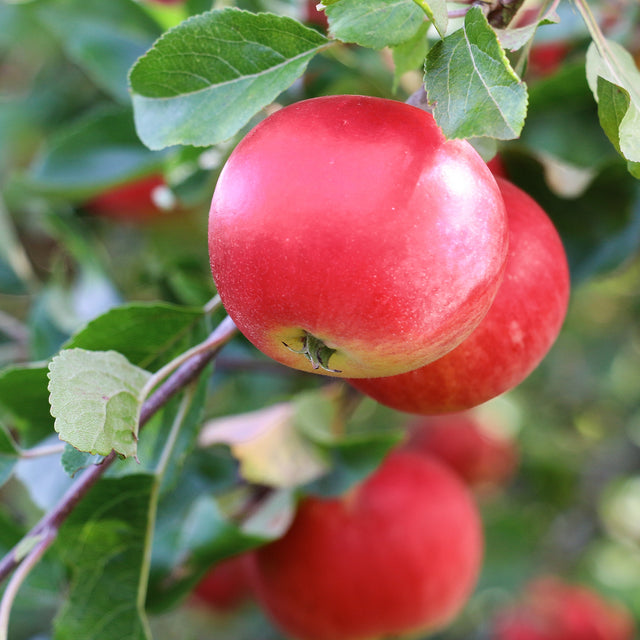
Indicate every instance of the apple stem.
{"type": "Point", "coordinates": [315, 351]}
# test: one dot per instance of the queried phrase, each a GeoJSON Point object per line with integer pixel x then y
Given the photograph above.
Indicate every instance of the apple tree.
{"type": "Point", "coordinates": [145, 441]}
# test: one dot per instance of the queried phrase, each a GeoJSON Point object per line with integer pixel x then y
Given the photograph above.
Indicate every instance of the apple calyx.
{"type": "Point", "coordinates": [315, 351]}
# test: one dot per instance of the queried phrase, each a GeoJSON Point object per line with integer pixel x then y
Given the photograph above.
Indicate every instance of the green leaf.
{"type": "Point", "coordinates": [571, 133]}
{"type": "Point", "coordinates": [73, 460]}
{"type": "Point", "coordinates": [471, 84]}
{"type": "Point", "coordinates": [25, 399]}
{"type": "Point", "coordinates": [616, 117]}
{"type": "Point", "coordinates": [104, 543]}
{"type": "Point", "coordinates": [515, 38]}
{"type": "Point", "coordinates": [95, 399]}
{"type": "Point", "coordinates": [9, 455]}
{"type": "Point", "coordinates": [97, 152]}
{"type": "Point", "coordinates": [375, 24]}
{"type": "Point", "coordinates": [104, 38]}
{"type": "Point", "coordinates": [355, 445]}
{"type": "Point", "coordinates": [193, 532]}
{"type": "Point", "coordinates": [437, 12]}
{"type": "Point", "coordinates": [203, 80]}
{"type": "Point", "coordinates": [614, 80]}
{"type": "Point", "coordinates": [409, 55]}
{"type": "Point", "coordinates": [140, 331]}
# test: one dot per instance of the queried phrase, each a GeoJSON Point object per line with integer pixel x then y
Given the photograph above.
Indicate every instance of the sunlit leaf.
{"type": "Point", "coordinates": [203, 80]}
{"type": "Point", "coordinates": [375, 24]}
{"type": "Point", "coordinates": [95, 399]}
{"type": "Point", "coordinates": [471, 84]}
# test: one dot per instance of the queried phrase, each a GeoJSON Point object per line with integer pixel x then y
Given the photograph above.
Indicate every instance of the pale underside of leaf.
{"type": "Point", "coordinates": [95, 400]}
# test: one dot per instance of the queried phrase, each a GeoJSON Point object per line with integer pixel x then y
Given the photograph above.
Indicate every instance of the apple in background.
{"type": "Point", "coordinates": [546, 58]}
{"type": "Point", "coordinates": [514, 336]}
{"type": "Point", "coordinates": [313, 16]}
{"type": "Point", "coordinates": [348, 237]}
{"type": "Point", "coordinates": [398, 553]}
{"type": "Point", "coordinates": [496, 165]}
{"type": "Point", "coordinates": [554, 610]}
{"type": "Point", "coordinates": [481, 454]}
{"type": "Point", "coordinates": [131, 202]}
{"type": "Point", "coordinates": [225, 586]}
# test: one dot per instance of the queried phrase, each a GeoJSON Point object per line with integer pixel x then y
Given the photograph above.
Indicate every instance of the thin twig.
{"type": "Point", "coordinates": [227, 327]}
{"type": "Point", "coordinates": [186, 373]}
{"type": "Point", "coordinates": [44, 450]}
{"type": "Point", "coordinates": [10, 593]}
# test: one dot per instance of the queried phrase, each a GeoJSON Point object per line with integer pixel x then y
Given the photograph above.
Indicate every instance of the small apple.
{"type": "Point", "coordinates": [481, 454]}
{"type": "Point", "coordinates": [552, 609]}
{"type": "Point", "coordinates": [131, 202]}
{"type": "Point", "coordinates": [348, 237]}
{"type": "Point", "coordinates": [225, 586]}
{"type": "Point", "coordinates": [514, 336]}
{"type": "Point", "coordinates": [399, 553]}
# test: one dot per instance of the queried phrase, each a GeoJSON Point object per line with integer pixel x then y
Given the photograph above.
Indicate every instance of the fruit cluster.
{"type": "Point", "coordinates": [348, 237]}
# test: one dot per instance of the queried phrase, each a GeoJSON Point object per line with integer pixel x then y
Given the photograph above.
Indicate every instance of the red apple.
{"type": "Point", "coordinates": [313, 16]}
{"type": "Point", "coordinates": [496, 165]}
{"type": "Point", "coordinates": [554, 610]}
{"type": "Point", "coordinates": [545, 58]}
{"type": "Point", "coordinates": [480, 455]}
{"type": "Point", "coordinates": [130, 202]}
{"type": "Point", "coordinates": [348, 237]}
{"type": "Point", "coordinates": [397, 554]}
{"type": "Point", "coordinates": [515, 335]}
{"type": "Point", "coordinates": [226, 585]}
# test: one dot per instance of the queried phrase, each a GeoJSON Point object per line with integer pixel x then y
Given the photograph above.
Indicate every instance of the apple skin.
{"type": "Point", "coordinates": [496, 165]}
{"type": "Point", "coordinates": [514, 336]}
{"type": "Point", "coordinates": [130, 202]}
{"type": "Point", "coordinates": [353, 220]}
{"type": "Point", "coordinates": [313, 16]}
{"type": "Point", "coordinates": [555, 610]}
{"type": "Point", "coordinates": [225, 586]}
{"type": "Point", "coordinates": [399, 553]}
{"type": "Point", "coordinates": [479, 455]}
{"type": "Point", "coordinates": [546, 58]}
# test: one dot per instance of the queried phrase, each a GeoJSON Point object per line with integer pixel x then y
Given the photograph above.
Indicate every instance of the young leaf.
{"type": "Point", "coordinates": [104, 543]}
{"type": "Point", "coordinates": [375, 24]}
{"type": "Point", "coordinates": [203, 80]}
{"type": "Point", "coordinates": [95, 400]}
{"type": "Point", "coordinates": [104, 38]}
{"type": "Point", "coordinates": [471, 84]}
{"type": "Point", "coordinates": [614, 80]}
{"type": "Point", "coordinates": [140, 331]}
